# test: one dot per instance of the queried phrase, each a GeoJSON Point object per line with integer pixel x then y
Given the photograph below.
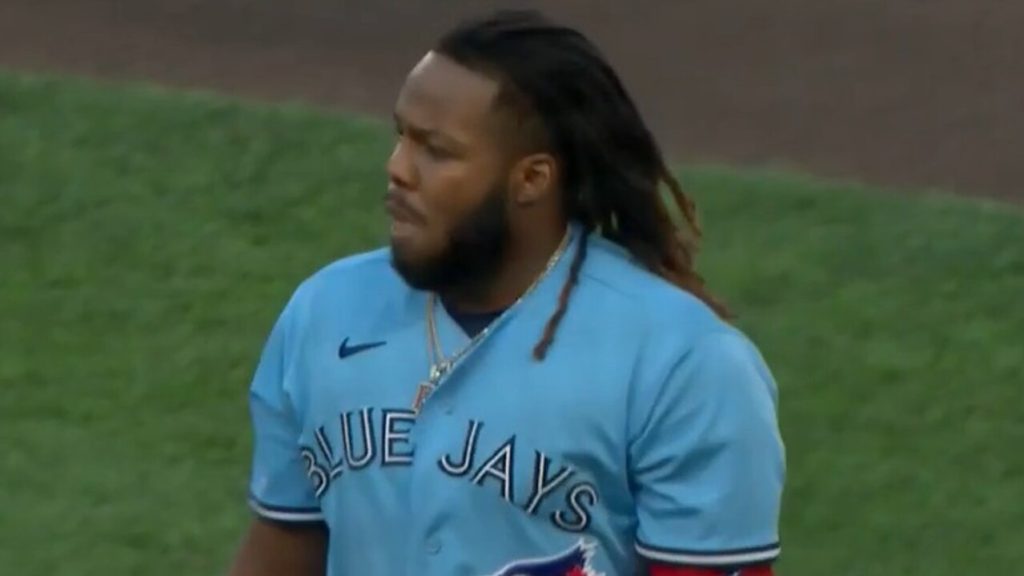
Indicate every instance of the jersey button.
{"type": "Point", "coordinates": [433, 546]}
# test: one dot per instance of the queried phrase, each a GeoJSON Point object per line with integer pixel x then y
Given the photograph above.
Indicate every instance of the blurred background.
{"type": "Point", "coordinates": [925, 94]}
{"type": "Point", "coordinates": [171, 169]}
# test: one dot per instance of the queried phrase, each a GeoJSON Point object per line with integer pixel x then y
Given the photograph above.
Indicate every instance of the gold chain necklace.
{"type": "Point", "coordinates": [441, 366]}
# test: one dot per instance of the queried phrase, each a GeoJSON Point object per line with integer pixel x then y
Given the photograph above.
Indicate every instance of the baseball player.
{"type": "Point", "coordinates": [531, 379]}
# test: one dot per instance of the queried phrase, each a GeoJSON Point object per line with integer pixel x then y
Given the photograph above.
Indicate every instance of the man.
{"type": "Point", "coordinates": [531, 379]}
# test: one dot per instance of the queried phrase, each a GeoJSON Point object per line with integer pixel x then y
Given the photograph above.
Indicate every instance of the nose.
{"type": "Point", "coordinates": [401, 170]}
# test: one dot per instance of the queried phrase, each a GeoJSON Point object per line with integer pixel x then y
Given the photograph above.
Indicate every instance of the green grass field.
{"type": "Point", "coordinates": [148, 239]}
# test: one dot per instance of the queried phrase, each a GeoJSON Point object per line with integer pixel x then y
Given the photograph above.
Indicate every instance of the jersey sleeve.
{"type": "Point", "coordinates": [707, 461]}
{"type": "Point", "coordinates": [279, 488]}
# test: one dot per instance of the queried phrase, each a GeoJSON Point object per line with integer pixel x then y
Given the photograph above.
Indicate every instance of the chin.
{"type": "Point", "coordinates": [407, 245]}
{"type": "Point", "coordinates": [415, 269]}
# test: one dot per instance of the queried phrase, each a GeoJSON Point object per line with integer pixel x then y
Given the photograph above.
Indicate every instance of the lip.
{"type": "Point", "coordinates": [399, 209]}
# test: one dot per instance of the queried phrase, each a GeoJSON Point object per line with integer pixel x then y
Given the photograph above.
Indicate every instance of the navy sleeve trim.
{"type": "Point", "coordinates": [735, 557]}
{"type": "Point", "coordinates": [285, 513]}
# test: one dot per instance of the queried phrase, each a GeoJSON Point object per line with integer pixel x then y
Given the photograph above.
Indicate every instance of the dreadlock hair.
{"type": "Point", "coordinates": [571, 102]}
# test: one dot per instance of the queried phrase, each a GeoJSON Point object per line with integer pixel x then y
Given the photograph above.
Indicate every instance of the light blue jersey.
{"type": "Point", "coordinates": [648, 431]}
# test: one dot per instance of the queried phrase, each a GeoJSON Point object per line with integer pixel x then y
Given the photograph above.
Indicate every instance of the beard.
{"type": "Point", "coordinates": [475, 251]}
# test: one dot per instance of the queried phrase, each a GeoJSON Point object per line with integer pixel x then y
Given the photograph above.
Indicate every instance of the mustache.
{"type": "Point", "coordinates": [399, 205]}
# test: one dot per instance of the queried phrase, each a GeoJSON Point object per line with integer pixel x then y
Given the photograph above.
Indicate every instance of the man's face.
{"type": "Point", "coordinates": [448, 178]}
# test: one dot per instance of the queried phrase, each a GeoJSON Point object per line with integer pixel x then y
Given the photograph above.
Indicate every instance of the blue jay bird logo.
{"type": "Point", "coordinates": [573, 562]}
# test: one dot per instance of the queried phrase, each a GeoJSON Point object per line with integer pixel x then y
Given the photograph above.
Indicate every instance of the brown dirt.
{"type": "Point", "coordinates": [896, 92]}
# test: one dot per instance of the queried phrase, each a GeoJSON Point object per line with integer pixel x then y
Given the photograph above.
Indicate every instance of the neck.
{"type": "Point", "coordinates": [526, 260]}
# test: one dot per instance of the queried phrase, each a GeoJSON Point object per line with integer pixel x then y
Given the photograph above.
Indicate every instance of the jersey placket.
{"type": "Point", "coordinates": [431, 490]}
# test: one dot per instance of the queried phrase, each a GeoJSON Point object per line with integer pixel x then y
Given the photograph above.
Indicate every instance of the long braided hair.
{"type": "Point", "coordinates": [612, 167]}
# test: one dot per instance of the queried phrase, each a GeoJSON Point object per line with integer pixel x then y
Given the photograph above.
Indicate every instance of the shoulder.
{"type": "Point", "coordinates": [348, 288]}
{"type": "Point", "coordinates": [679, 341]}
{"type": "Point", "coordinates": [362, 273]}
{"type": "Point", "coordinates": [643, 302]}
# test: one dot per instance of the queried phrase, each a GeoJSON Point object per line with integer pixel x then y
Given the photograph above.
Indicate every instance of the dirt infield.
{"type": "Point", "coordinates": [896, 92]}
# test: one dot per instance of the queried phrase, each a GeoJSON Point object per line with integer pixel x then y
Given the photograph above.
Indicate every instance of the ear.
{"type": "Point", "coordinates": [535, 178]}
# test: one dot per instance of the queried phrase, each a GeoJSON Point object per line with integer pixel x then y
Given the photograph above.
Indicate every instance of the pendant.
{"type": "Point", "coordinates": [437, 371]}
{"type": "Point", "coordinates": [422, 391]}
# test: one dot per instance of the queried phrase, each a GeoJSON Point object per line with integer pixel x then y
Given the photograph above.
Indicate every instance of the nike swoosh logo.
{"type": "Point", "coordinates": [346, 350]}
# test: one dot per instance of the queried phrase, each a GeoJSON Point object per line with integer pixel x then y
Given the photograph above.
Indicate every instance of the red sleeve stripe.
{"type": "Point", "coordinates": [759, 555]}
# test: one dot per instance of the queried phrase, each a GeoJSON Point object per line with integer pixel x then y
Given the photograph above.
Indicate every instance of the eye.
{"type": "Point", "coordinates": [436, 151]}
